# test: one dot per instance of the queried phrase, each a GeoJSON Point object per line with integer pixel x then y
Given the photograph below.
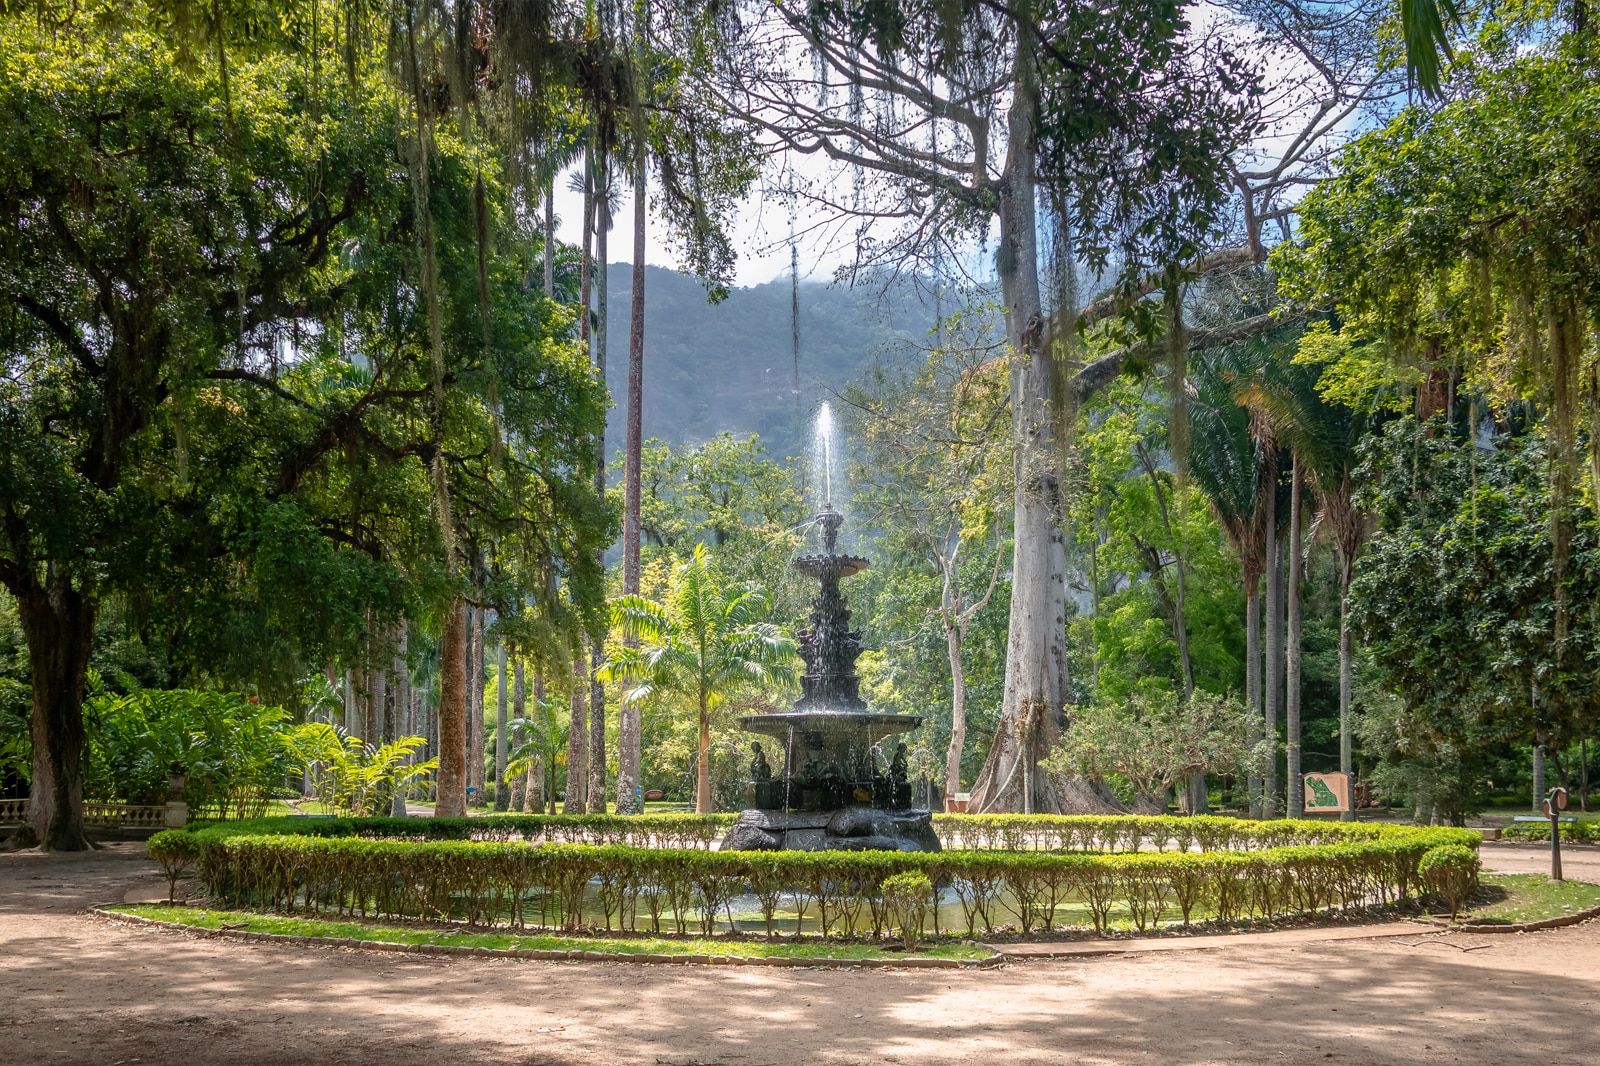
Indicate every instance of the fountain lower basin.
{"type": "Point", "coordinates": [838, 789]}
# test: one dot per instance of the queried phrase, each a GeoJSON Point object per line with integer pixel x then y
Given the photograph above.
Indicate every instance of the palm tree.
{"type": "Point", "coordinates": [706, 644]}
{"type": "Point", "coordinates": [545, 735]}
{"type": "Point", "coordinates": [1324, 437]}
{"type": "Point", "coordinates": [1227, 462]}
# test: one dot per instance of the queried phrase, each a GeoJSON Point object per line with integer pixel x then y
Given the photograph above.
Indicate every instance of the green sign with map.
{"type": "Point", "coordinates": [1327, 793]}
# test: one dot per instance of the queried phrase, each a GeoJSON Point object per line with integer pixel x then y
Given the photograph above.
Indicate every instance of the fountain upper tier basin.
{"type": "Point", "coordinates": [826, 565]}
{"type": "Point", "coordinates": [875, 726]}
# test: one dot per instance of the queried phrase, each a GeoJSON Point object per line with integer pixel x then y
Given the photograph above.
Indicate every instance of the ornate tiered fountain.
{"type": "Point", "coordinates": [837, 787]}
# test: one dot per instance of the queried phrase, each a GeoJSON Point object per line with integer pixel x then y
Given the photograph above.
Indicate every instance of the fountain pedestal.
{"type": "Point", "coordinates": [838, 787]}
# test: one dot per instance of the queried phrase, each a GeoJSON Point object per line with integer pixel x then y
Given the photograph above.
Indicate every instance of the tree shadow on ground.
{"type": "Point", "coordinates": [83, 990]}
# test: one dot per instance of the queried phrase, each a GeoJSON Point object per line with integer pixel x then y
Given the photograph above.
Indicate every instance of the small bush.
{"type": "Point", "coordinates": [1451, 870]}
{"type": "Point", "coordinates": [176, 851]}
{"type": "Point", "coordinates": [906, 897]}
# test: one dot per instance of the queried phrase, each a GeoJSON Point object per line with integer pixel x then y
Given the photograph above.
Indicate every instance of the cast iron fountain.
{"type": "Point", "coordinates": [837, 788]}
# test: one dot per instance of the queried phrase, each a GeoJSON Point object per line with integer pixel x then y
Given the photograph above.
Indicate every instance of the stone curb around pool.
{"type": "Point", "coordinates": [1519, 927]}
{"type": "Point", "coordinates": [103, 910]}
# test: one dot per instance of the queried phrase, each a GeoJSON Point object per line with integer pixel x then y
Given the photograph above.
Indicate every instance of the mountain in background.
{"type": "Point", "coordinates": [731, 366]}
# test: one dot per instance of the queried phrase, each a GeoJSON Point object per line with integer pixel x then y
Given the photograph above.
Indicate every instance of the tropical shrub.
{"type": "Point", "coordinates": [1451, 870]}
{"type": "Point", "coordinates": [906, 897]}
{"type": "Point", "coordinates": [350, 776]}
{"type": "Point", "coordinates": [226, 746]}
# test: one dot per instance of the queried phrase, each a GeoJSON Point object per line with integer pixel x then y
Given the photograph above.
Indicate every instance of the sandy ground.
{"type": "Point", "coordinates": [81, 990]}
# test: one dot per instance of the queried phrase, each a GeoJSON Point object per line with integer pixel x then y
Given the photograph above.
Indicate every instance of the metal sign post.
{"type": "Point", "coordinates": [1554, 804]}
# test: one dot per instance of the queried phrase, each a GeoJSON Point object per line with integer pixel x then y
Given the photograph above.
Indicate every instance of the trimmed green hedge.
{"type": "Point", "coordinates": [959, 832]}
{"type": "Point", "coordinates": [690, 889]}
{"type": "Point", "coordinates": [638, 830]}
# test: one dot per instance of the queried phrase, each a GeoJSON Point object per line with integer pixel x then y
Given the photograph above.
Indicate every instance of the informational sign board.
{"type": "Point", "coordinates": [1327, 793]}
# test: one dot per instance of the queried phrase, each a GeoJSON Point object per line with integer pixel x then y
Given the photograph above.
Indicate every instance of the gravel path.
{"type": "Point", "coordinates": [82, 990]}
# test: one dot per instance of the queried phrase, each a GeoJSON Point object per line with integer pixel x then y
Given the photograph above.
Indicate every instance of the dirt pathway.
{"type": "Point", "coordinates": [1580, 862]}
{"type": "Point", "coordinates": [80, 990]}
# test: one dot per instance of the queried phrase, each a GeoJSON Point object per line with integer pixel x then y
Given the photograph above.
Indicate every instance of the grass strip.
{"type": "Point", "coordinates": [1514, 899]}
{"type": "Point", "coordinates": [264, 923]}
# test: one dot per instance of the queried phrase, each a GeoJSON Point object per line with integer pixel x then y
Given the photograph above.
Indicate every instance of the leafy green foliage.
{"type": "Point", "coordinates": [544, 748]}
{"type": "Point", "coordinates": [1155, 741]}
{"type": "Point", "coordinates": [907, 895]}
{"type": "Point", "coordinates": [1456, 599]}
{"type": "Point", "coordinates": [226, 745]}
{"type": "Point", "coordinates": [729, 495]}
{"type": "Point", "coordinates": [1451, 870]}
{"type": "Point", "coordinates": [706, 645]}
{"type": "Point", "coordinates": [350, 775]}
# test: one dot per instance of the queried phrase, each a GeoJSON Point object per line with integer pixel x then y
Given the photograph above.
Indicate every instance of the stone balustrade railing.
{"type": "Point", "coordinates": [111, 815]}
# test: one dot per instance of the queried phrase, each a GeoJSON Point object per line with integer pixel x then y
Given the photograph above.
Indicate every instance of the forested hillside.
{"type": "Point", "coordinates": [730, 366]}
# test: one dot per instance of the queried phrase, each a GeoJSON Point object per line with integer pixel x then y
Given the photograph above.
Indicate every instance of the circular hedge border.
{"type": "Point", "coordinates": [509, 870]}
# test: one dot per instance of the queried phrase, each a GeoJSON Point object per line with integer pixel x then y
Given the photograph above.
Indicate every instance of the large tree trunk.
{"type": "Point", "coordinates": [58, 624]}
{"type": "Point", "coordinates": [502, 798]}
{"type": "Point", "coordinates": [578, 738]}
{"type": "Point", "coordinates": [1295, 792]}
{"type": "Point", "coordinates": [1538, 773]}
{"type": "Point", "coordinates": [480, 797]}
{"type": "Point", "coordinates": [451, 719]}
{"type": "Point", "coordinates": [1033, 711]}
{"type": "Point", "coordinates": [377, 689]}
{"type": "Point", "coordinates": [958, 707]}
{"type": "Point", "coordinates": [629, 725]}
{"type": "Point", "coordinates": [1273, 704]}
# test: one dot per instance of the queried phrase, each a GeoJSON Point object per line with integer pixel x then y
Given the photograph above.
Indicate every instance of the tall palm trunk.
{"type": "Point", "coordinates": [377, 689]}
{"type": "Point", "coordinates": [402, 725]}
{"type": "Point", "coordinates": [1273, 704]}
{"type": "Point", "coordinates": [451, 798]}
{"type": "Point", "coordinates": [1295, 791]}
{"type": "Point", "coordinates": [550, 238]}
{"type": "Point", "coordinates": [597, 688]}
{"type": "Point", "coordinates": [1252, 684]}
{"type": "Point", "coordinates": [357, 705]}
{"type": "Point", "coordinates": [578, 738]}
{"type": "Point", "coordinates": [521, 802]}
{"type": "Point", "coordinates": [451, 801]}
{"type": "Point", "coordinates": [702, 789]}
{"type": "Point", "coordinates": [547, 763]}
{"type": "Point", "coordinates": [629, 724]}
{"type": "Point", "coordinates": [502, 798]}
{"type": "Point", "coordinates": [1346, 673]}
